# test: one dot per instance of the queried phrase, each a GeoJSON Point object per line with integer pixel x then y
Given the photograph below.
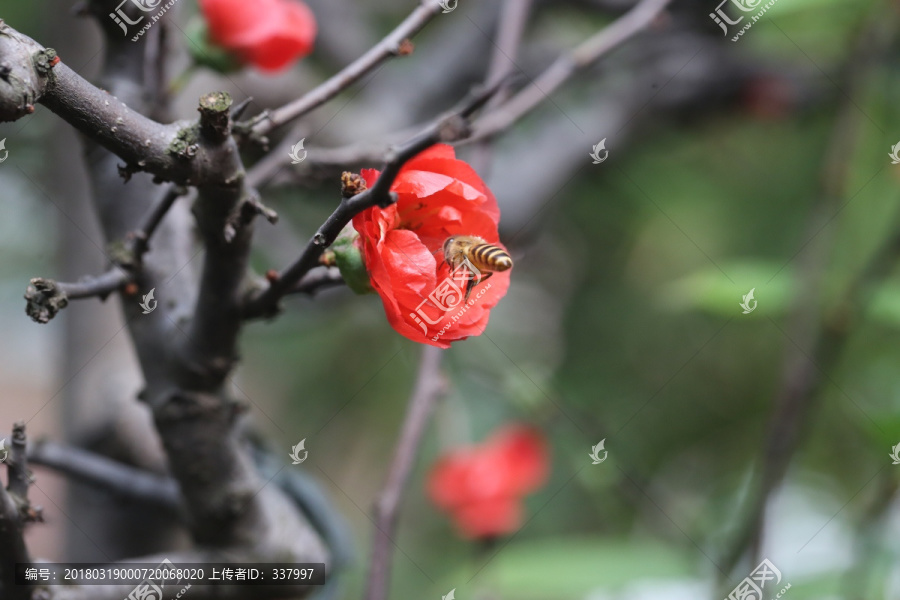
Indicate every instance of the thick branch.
{"type": "Point", "coordinates": [429, 386]}
{"type": "Point", "coordinates": [15, 511]}
{"type": "Point", "coordinates": [17, 465]}
{"type": "Point", "coordinates": [12, 547]}
{"type": "Point", "coordinates": [388, 47]}
{"type": "Point", "coordinates": [171, 152]}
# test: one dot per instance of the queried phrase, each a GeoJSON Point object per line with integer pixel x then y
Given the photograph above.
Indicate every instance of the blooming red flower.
{"type": "Point", "coordinates": [268, 34]}
{"type": "Point", "coordinates": [482, 487]}
{"type": "Point", "coordinates": [439, 197]}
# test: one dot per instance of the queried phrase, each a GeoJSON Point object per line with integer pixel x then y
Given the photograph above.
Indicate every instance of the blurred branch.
{"type": "Point", "coordinates": [591, 50]}
{"type": "Point", "coordinates": [509, 112]}
{"type": "Point", "coordinates": [388, 47]}
{"type": "Point", "coordinates": [15, 511]}
{"type": "Point", "coordinates": [17, 465]}
{"type": "Point", "coordinates": [511, 25]}
{"type": "Point", "coordinates": [117, 478]}
{"type": "Point", "coordinates": [818, 340]}
{"type": "Point", "coordinates": [318, 280]}
{"type": "Point", "coordinates": [447, 128]}
{"type": "Point", "coordinates": [429, 386]}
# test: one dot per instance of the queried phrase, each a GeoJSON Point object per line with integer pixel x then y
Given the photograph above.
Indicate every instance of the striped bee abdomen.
{"type": "Point", "coordinates": [487, 257]}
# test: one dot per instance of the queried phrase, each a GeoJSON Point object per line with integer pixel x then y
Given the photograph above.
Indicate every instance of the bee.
{"type": "Point", "coordinates": [485, 257]}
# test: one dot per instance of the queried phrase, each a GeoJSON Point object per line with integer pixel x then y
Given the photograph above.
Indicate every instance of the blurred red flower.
{"type": "Point", "coordinates": [439, 196]}
{"type": "Point", "coordinates": [482, 487]}
{"type": "Point", "coordinates": [267, 34]}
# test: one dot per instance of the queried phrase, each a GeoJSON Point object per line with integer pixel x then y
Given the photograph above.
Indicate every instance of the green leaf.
{"type": "Point", "coordinates": [721, 291]}
{"type": "Point", "coordinates": [572, 567]}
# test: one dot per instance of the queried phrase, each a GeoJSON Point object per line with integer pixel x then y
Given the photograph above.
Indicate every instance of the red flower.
{"type": "Point", "coordinates": [482, 487]}
{"type": "Point", "coordinates": [438, 197]}
{"type": "Point", "coordinates": [268, 34]}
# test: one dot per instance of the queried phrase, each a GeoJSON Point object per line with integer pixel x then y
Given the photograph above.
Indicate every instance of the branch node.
{"type": "Point", "coordinates": [240, 107]}
{"type": "Point", "coordinates": [185, 143]}
{"type": "Point", "coordinates": [44, 61]}
{"type": "Point", "coordinates": [45, 299]}
{"type": "Point", "coordinates": [122, 254]}
{"type": "Point", "coordinates": [215, 120]}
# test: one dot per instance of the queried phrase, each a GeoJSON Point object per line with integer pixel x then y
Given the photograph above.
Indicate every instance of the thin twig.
{"type": "Point", "coordinates": [141, 237]}
{"type": "Point", "coordinates": [46, 297]}
{"type": "Point", "coordinates": [566, 66]}
{"type": "Point", "coordinates": [388, 47]}
{"type": "Point", "coordinates": [448, 128]}
{"type": "Point", "coordinates": [429, 386]}
{"type": "Point", "coordinates": [318, 280]}
{"type": "Point", "coordinates": [508, 113]}
{"type": "Point", "coordinates": [511, 25]}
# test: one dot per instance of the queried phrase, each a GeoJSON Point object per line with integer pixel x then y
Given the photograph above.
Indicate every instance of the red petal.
{"type": "Point", "coordinates": [523, 452]}
{"type": "Point", "coordinates": [447, 481]}
{"type": "Point", "coordinates": [489, 518]}
{"type": "Point", "coordinates": [232, 22]}
{"type": "Point", "coordinates": [269, 34]}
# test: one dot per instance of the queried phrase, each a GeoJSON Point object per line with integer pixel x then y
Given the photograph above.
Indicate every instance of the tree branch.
{"type": "Point", "coordinates": [588, 52]}
{"type": "Point", "coordinates": [15, 511]}
{"type": "Point", "coordinates": [46, 297]}
{"type": "Point", "coordinates": [388, 47]}
{"type": "Point", "coordinates": [429, 386]}
{"type": "Point", "coordinates": [317, 280]}
{"type": "Point", "coordinates": [173, 152]}
{"type": "Point", "coordinates": [117, 478]}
